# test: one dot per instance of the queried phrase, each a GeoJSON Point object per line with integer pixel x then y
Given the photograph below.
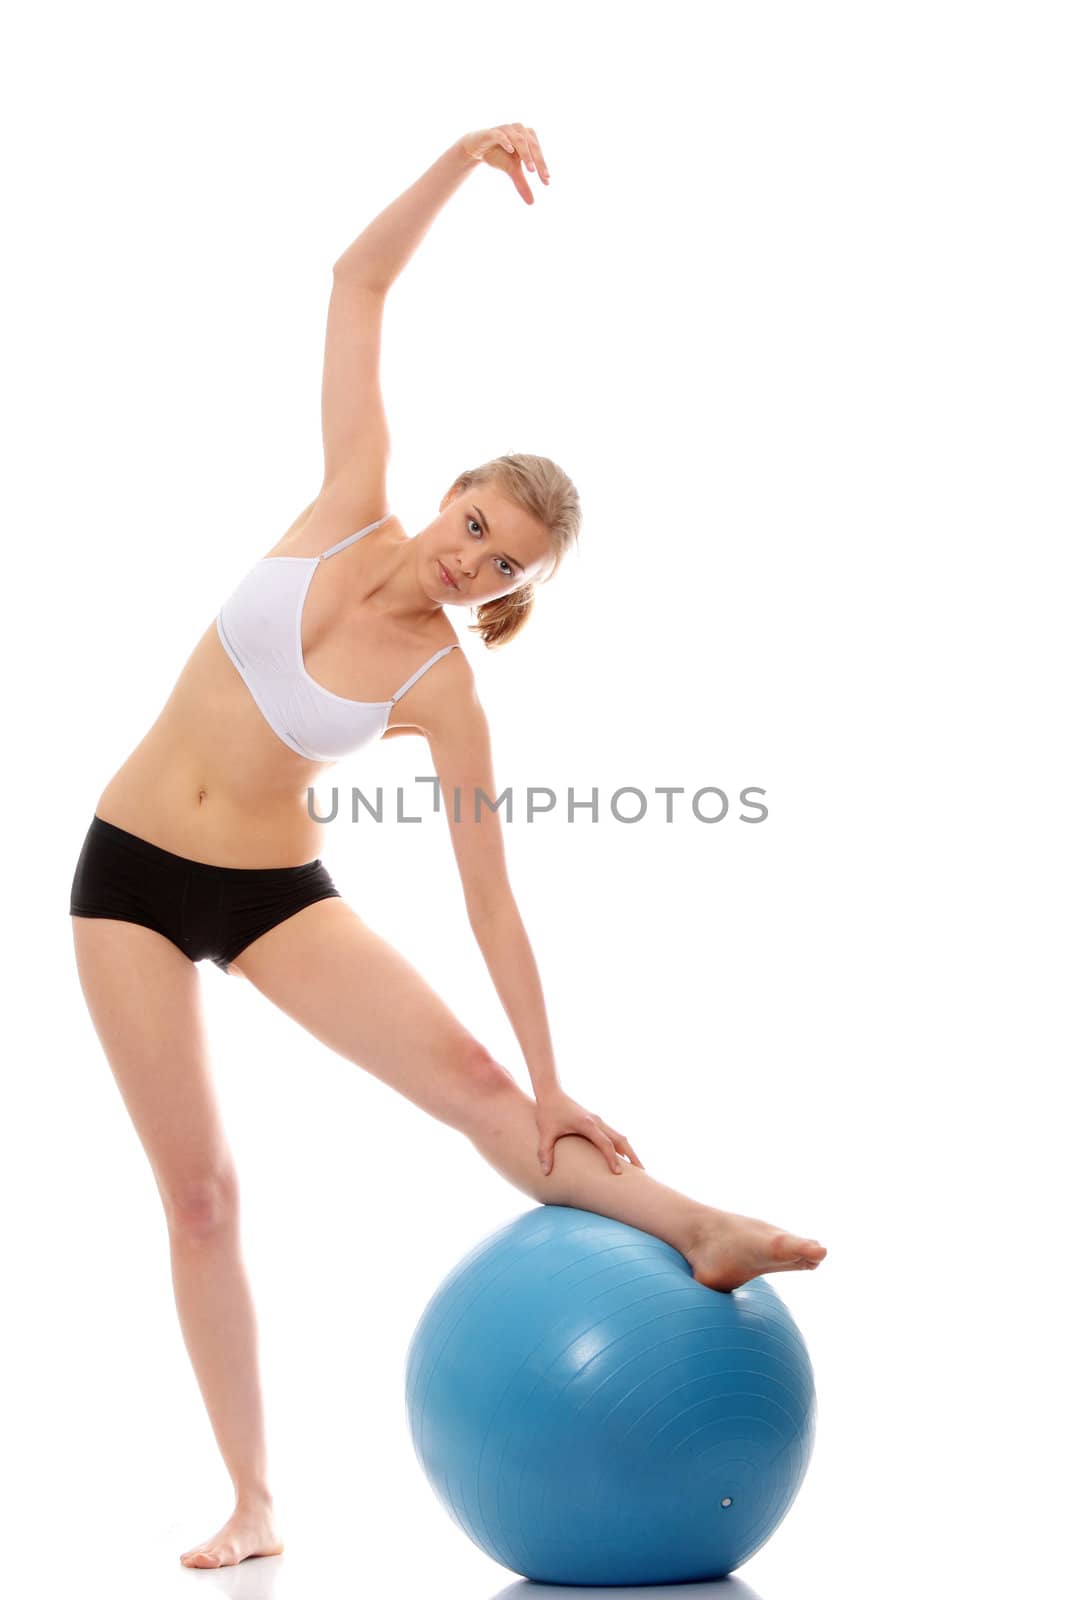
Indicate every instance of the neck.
{"type": "Point", "coordinates": [393, 589]}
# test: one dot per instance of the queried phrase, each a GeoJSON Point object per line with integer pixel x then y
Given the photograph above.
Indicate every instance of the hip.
{"type": "Point", "coordinates": [207, 911]}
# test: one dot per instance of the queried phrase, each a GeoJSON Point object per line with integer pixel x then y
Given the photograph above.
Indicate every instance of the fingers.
{"type": "Point", "coordinates": [525, 143]}
{"type": "Point", "coordinates": [609, 1153]}
{"type": "Point", "coordinates": [628, 1150]}
{"type": "Point", "coordinates": [609, 1141]}
{"type": "Point", "coordinates": [622, 1143]}
{"type": "Point", "coordinates": [596, 1135]}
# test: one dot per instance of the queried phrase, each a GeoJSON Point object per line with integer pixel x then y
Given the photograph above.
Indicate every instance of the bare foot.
{"type": "Point", "coordinates": [729, 1249]}
{"type": "Point", "coordinates": [249, 1532]}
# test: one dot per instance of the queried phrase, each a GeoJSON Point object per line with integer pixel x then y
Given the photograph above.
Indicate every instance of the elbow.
{"type": "Point", "coordinates": [359, 276]}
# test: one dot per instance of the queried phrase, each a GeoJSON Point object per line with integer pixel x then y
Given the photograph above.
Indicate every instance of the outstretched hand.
{"type": "Point", "coordinates": [558, 1114]}
{"type": "Point", "coordinates": [507, 147]}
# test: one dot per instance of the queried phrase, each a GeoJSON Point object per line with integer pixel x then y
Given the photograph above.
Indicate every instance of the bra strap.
{"type": "Point", "coordinates": [415, 676]}
{"type": "Point", "coordinates": [352, 537]}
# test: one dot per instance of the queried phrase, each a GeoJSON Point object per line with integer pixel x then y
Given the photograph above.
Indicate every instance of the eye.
{"type": "Point", "coordinates": [509, 571]}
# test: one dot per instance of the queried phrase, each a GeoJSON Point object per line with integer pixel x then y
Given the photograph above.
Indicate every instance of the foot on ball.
{"type": "Point", "coordinates": [729, 1249]}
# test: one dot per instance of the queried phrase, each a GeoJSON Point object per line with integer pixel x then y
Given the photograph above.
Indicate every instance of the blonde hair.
{"type": "Point", "coordinates": [538, 486]}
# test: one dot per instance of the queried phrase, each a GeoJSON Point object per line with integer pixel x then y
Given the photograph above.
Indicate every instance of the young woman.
{"type": "Point", "coordinates": [202, 846]}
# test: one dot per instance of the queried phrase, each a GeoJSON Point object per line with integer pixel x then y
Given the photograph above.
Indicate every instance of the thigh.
{"type": "Point", "coordinates": [353, 990]}
{"type": "Point", "coordinates": [144, 998]}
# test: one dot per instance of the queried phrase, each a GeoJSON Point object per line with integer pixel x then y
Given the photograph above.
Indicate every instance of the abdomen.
{"type": "Point", "coordinates": [210, 779]}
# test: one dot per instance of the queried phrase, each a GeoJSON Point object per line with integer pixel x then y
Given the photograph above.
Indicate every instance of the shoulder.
{"type": "Point", "coordinates": [343, 504]}
{"type": "Point", "coordinates": [444, 704]}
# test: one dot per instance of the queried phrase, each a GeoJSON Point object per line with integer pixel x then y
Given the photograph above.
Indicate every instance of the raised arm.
{"type": "Point", "coordinates": [355, 435]}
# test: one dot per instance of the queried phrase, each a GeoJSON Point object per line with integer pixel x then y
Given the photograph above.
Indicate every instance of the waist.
{"type": "Point", "coordinates": [183, 805]}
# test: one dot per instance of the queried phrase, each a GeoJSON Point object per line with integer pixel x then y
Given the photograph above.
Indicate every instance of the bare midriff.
{"type": "Point", "coordinates": [211, 780]}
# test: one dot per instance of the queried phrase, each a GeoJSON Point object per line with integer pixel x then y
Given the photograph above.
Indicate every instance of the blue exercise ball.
{"type": "Point", "coordinates": [590, 1414]}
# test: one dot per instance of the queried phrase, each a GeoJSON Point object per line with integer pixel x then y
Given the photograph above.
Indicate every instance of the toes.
{"type": "Point", "coordinates": [791, 1247]}
{"type": "Point", "coordinates": [205, 1556]}
{"type": "Point", "coordinates": [785, 1247]}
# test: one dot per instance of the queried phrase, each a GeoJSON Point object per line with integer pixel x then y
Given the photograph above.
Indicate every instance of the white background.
{"type": "Point", "coordinates": [791, 314]}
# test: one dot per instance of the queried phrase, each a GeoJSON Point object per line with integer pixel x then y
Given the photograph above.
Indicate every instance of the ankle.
{"type": "Point", "coordinates": [702, 1224]}
{"type": "Point", "coordinates": [254, 1497]}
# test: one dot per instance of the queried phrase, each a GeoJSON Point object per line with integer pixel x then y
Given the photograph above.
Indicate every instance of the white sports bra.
{"type": "Point", "coordinates": [259, 625]}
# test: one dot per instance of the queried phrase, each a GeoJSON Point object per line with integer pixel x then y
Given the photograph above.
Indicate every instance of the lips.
{"type": "Point", "coordinates": [447, 576]}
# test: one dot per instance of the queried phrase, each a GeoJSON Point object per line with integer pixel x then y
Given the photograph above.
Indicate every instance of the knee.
{"type": "Point", "coordinates": [486, 1071]}
{"type": "Point", "coordinates": [200, 1206]}
{"type": "Point", "coordinates": [479, 1082]}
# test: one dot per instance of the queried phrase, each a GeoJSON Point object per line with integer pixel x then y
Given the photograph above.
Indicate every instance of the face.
{"type": "Point", "coordinates": [486, 544]}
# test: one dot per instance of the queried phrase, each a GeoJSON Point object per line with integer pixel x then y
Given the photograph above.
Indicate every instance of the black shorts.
{"type": "Point", "coordinates": [208, 912]}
